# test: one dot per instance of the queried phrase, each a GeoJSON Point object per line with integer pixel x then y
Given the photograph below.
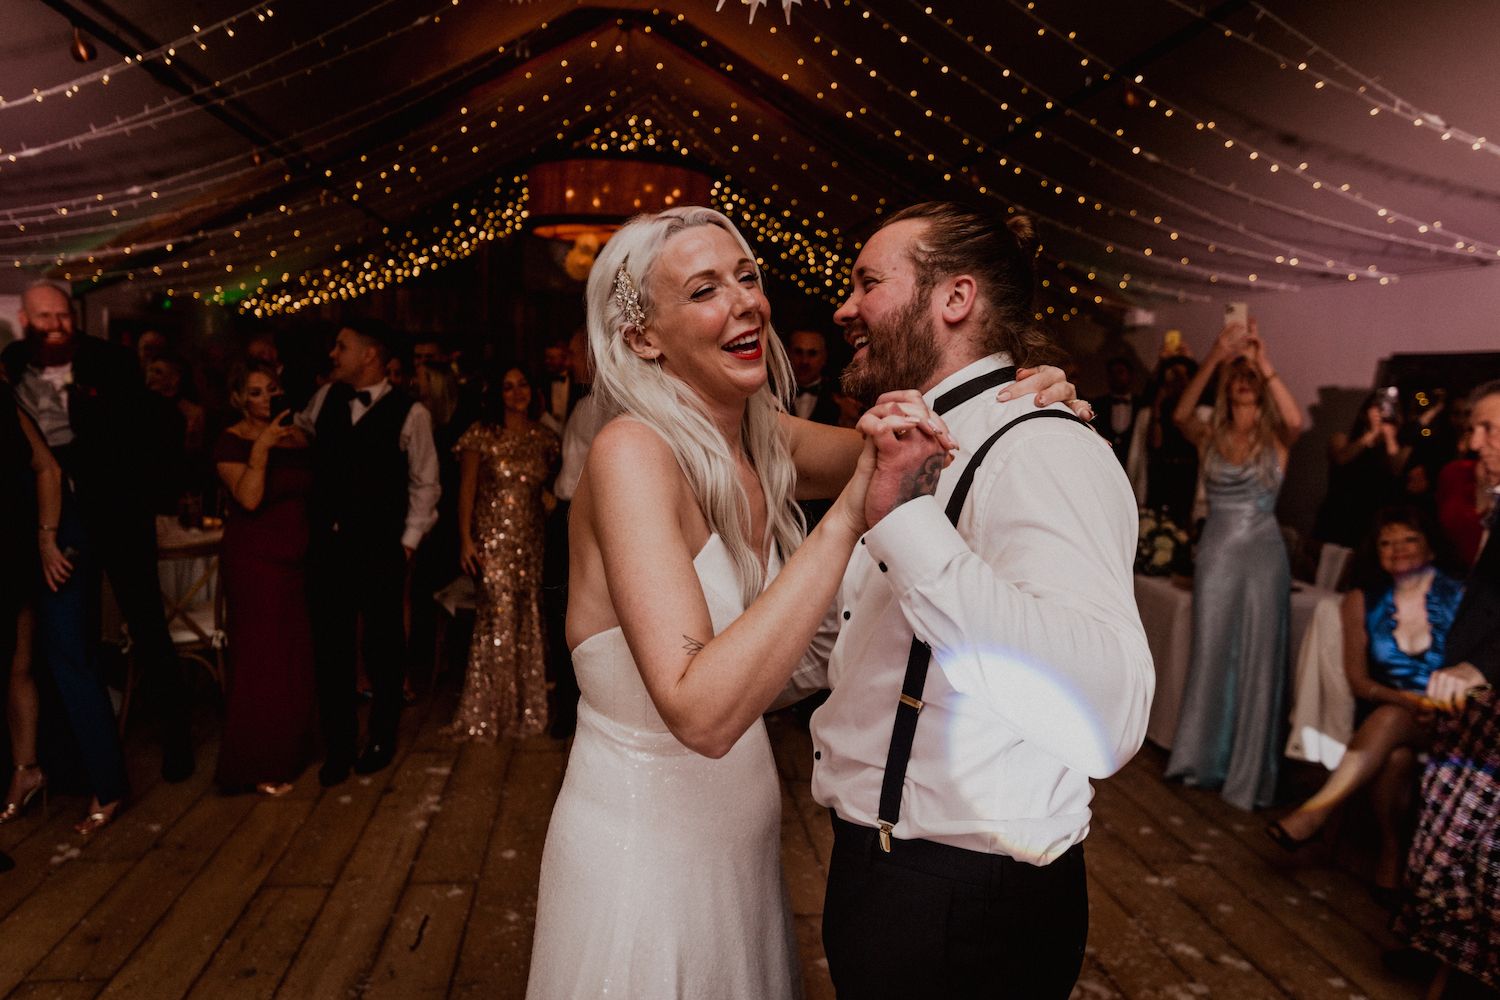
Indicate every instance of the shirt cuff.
{"type": "Point", "coordinates": [914, 543]}
{"type": "Point", "coordinates": [411, 538]}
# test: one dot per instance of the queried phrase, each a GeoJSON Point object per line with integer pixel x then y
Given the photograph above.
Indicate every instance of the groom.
{"type": "Point", "coordinates": [960, 804]}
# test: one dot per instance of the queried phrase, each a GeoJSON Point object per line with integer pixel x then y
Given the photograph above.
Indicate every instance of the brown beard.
{"type": "Point", "coordinates": [901, 354]}
{"type": "Point", "coordinates": [43, 354]}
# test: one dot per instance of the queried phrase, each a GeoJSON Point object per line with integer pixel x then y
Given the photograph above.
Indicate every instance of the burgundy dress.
{"type": "Point", "coordinates": [269, 724]}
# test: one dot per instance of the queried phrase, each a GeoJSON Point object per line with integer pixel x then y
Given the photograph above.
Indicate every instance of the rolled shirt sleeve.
{"type": "Point", "coordinates": [422, 489]}
{"type": "Point", "coordinates": [1036, 621]}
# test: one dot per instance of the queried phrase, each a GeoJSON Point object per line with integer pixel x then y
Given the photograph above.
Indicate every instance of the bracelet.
{"type": "Point", "coordinates": [46, 527]}
{"type": "Point", "coordinates": [1273, 375]}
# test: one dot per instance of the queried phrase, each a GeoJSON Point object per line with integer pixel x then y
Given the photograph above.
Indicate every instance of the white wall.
{"type": "Point", "coordinates": [1327, 344]}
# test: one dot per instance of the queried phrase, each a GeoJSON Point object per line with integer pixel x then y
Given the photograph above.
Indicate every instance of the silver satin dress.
{"type": "Point", "coordinates": [1229, 732]}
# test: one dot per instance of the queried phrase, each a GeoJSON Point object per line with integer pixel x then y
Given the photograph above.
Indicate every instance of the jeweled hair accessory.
{"type": "Point", "coordinates": [628, 297]}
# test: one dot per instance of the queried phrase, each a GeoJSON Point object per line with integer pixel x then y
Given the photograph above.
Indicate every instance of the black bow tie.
{"type": "Point", "coordinates": [363, 396]}
{"type": "Point", "coordinates": [809, 390]}
{"type": "Point", "coordinates": [559, 378]}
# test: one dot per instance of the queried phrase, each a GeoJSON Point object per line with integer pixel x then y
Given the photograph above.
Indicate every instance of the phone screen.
{"type": "Point", "coordinates": [1237, 312]}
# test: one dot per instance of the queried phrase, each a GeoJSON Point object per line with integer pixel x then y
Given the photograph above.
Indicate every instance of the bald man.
{"type": "Point", "coordinates": [87, 397]}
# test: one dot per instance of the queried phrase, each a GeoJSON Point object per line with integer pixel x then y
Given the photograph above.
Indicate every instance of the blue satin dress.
{"type": "Point", "coordinates": [1229, 731]}
{"type": "Point", "coordinates": [1389, 663]}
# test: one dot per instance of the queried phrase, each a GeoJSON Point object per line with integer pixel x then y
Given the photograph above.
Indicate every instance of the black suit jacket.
{"type": "Point", "coordinates": [122, 449]}
{"type": "Point", "coordinates": [1475, 635]}
{"type": "Point", "coordinates": [1119, 442]}
{"type": "Point", "coordinates": [826, 409]}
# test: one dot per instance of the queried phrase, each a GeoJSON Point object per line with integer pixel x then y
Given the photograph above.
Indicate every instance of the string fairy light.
{"type": "Point", "coordinates": [1366, 88]}
{"type": "Point", "coordinates": [1290, 254]}
{"type": "Point", "coordinates": [1300, 171]}
{"type": "Point", "coordinates": [166, 53]}
{"type": "Point", "coordinates": [1177, 263]}
{"type": "Point", "coordinates": [395, 261]}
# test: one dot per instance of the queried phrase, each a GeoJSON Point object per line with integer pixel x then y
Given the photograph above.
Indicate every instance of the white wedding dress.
{"type": "Point", "coordinates": [661, 876]}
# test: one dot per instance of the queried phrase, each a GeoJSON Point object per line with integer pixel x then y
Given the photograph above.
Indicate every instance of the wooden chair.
{"type": "Point", "coordinates": [194, 612]}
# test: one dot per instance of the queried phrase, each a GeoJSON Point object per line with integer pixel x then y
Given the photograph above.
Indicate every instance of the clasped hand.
{"type": "Point", "coordinates": [907, 445]}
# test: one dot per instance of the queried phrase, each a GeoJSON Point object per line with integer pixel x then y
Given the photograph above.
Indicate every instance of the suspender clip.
{"type": "Point", "coordinates": [907, 699]}
{"type": "Point", "coordinates": [885, 836]}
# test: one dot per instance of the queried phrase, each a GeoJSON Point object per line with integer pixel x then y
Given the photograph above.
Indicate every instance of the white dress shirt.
{"type": "Point", "coordinates": [1040, 676]}
{"type": "Point", "coordinates": [422, 489]}
{"type": "Point", "coordinates": [582, 427]}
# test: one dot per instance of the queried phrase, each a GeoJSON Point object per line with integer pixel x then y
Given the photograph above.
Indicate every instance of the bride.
{"type": "Point", "coordinates": [693, 597]}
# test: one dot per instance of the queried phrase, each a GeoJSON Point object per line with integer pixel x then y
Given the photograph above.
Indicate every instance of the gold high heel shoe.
{"type": "Point", "coordinates": [15, 810]}
{"type": "Point", "coordinates": [98, 819]}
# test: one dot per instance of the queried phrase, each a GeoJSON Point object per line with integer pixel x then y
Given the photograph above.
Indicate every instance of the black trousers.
{"type": "Point", "coordinates": [349, 580]}
{"type": "Point", "coordinates": [123, 545]}
{"type": "Point", "coordinates": [929, 920]}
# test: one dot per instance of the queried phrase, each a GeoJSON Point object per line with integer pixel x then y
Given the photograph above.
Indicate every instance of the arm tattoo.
{"type": "Point", "coordinates": [692, 646]}
{"type": "Point", "coordinates": [922, 482]}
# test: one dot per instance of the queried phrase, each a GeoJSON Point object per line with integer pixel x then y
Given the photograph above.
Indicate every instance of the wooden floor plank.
{"type": "Point", "coordinates": [1317, 905]}
{"type": "Point", "coordinates": [183, 943]}
{"type": "Point", "coordinates": [318, 853]}
{"type": "Point", "coordinates": [347, 934]}
{"type": "Point", "coordinates": [47, 915]}
{"type": "Point", "coordinates": [86, 990]}
{"type": "Point", "coordinates": [421, 881]}
{"type": "Point", "coordinates": [253, 958]}
{"type": "Point", "coordinates": [1176, 928]}
{"type": "Point", "coordinates": [454, 851]}
{"type": "Point", "coordinates": [1125, 953]}
{"type": "Point", "coordinates": [105, 938]}
{"type": "Point", "coordinates": [421, 949]}
{"type": "Point", "coordinates": [496, 952]}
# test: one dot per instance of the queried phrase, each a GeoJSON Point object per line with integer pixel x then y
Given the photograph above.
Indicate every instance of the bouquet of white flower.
{"type": "Point", "coordinates": [1163, 549]}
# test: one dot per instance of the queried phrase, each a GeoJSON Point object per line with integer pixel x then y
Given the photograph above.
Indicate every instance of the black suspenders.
{"type": "Point", "coordinates": [904, 729]}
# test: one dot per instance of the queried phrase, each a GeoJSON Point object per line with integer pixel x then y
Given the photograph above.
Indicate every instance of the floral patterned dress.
{"type": "Point", "coordinates": [505, 689]}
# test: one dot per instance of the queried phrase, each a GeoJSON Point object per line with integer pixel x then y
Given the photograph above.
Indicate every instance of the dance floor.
{"type": "Point", "coordinates": [421, 882]}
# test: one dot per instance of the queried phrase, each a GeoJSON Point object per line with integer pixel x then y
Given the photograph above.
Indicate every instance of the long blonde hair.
{"type": "Point", "coordinates": [1268, 417]}
{"type": "Point", "coordinates": [626, 383]}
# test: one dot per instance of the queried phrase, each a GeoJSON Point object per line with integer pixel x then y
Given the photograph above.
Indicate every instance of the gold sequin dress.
{"type": "Point", "coordinates": [505, 688]}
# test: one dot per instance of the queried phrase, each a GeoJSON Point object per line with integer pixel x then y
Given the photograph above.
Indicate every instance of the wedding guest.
{"type": "Point", "coordinates": [1395, 632]}
{"type": "Point", "coordinates": [262, 348]}
{"type": "Point", "coordinates": [1452, 901]}
{"type": "Point", "coordinates": [31, 491]}
{"type": "Point", "coordinates": [87, 398]}
{"type": "Point", "coordinates": [428, 349]}
{"type": "Point", "coordinates": [506, 461]}
{"type": "Point", "coordinates": [1365, 469]}
{"type": "Point", "coordinates": [558, 393]}
{"type": "Point", "coordinates": [149, 346]}
{"type": "Point", "coordinates": [375, 492]}
{"type": "Point", "coordinates": [164, 377]}
{"type": "Point", "coordinates": [584, 422]}
{"type": "Point", "coordinates": [1466, 492]}
{"type": "Point", "coordinates": [1228, 733]}
{"type": "Point", "coordinates": [436, 561]}
{"type": "Point", "coordinates": [814, 397]}
{"type": "Point", "coordinates": [397, 373]}
{"type": "Point", "coordinates": [1117, 408]}
{"type": "Point", "coordinates": [1166, 460]}
{"type": "Point", "coordinates": [265, 465]}
{"type": "Point", "coordinates": [661, 875]}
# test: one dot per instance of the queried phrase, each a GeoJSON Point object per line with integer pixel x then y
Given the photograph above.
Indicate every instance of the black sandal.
{"type": "Point", "coordinates": [1285, 840]}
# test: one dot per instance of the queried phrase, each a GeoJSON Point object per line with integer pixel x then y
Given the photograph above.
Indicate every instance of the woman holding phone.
{"type": "Point", "coordinates": [1228, 734]}
{"type": "Point", "coordinates": [266, 468]}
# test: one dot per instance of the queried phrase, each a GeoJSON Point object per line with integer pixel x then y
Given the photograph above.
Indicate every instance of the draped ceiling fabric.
{"type": "Point", "coordinates": [277, 139]}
